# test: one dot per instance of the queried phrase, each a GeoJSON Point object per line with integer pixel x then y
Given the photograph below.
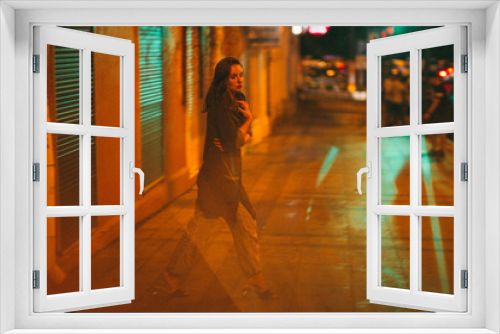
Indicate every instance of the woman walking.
{"type": "Point", "coordinates": [220, 189]}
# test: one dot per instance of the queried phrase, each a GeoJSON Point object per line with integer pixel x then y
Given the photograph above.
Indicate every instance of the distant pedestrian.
{"type": "Point", "coordinates": [439, 110]}
{"type": "Point", "coordinates": [396, 95]}
{"type": "Point", "coordinates": [221, 194]}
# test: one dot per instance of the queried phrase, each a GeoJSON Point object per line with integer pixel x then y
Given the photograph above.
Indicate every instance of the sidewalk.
{"type": "Point", "coordinates": [312, 223]}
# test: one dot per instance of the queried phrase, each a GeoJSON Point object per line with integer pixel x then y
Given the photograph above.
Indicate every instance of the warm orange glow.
{"type": "Point", "coordinates": [340, 65]}
{"type": "Point", "coordinates": [390, 30]}
{"type": "Point", "coordinates": [330, 73]}
{"type": "Point", "coordinates": [351, 88]}
{"type": "Point", "coordinates": [450, 70]}
{"type": "Point", "coordinates": [443, 73]}
{"type": "Point", "coordinates": [384, 34]}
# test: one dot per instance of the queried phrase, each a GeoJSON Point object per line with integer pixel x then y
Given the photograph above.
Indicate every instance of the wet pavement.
{"type": "Point", "coordinates": [312, 224]}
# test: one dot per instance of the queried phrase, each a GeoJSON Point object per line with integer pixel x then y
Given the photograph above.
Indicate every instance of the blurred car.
{"type": "Point", "coordinates": [324, 75]}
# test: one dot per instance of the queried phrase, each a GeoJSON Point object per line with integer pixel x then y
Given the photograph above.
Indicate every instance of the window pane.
{"type": "Point", "coordinates": [395, 234]}
{"type": "Point", "coordinates": [107, 89]}
{"type": "Point", "coordinates": [437, 169]}
{"type": "Point", "coordinates": [106, 179]}
{"type": "Point", "coordinates": [105, 262]}
{"type": "Point", "coordinates": [396, 89]}
{"type": "Point", "coordinates": [395, 171]}
{"type": "Point", "coordinates": [437, 84]}
{"type": "Point", "coordinates": [437, 254]}
{"type": "Point", "coordinates": [63, 255]}
{"type": "Point", "coordinates": [63, 85]}
{"type": "Point", "coordinates": [63, 170]}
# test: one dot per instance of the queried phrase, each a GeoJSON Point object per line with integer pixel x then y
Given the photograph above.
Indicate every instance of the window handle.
{"type": "Point", "coordinates": [133, 170]}
{"type": "Point", "coordinates": [368, 171]}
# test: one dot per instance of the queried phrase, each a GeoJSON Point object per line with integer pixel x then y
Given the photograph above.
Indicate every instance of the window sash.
{"type": "Point", "coordinates": [413, 297]}
{"type": "Point", "coordinates": [85, 43]}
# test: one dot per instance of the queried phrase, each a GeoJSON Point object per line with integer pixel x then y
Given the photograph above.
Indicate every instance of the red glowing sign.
{"type": "Point", "coordinates": [390, 30]}
{"type": "Point", "coordinates": [318, 30]}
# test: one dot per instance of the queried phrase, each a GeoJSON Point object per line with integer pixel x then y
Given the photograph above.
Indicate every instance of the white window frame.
{"type": "Point", "coordinates": [483, 124]}
{"type": "Point", "coordinates": [413, 44]}
{"type": "Point", "coordinates": [123, 50]}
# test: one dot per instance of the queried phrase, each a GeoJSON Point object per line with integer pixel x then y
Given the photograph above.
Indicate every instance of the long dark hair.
{"type": "Point", "coordinates": [218, 94]}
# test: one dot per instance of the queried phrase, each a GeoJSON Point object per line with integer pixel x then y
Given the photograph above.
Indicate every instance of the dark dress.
{"type": "Point", "coordinates": [220, 187]}
{"type": "Point", "coordinates": [220, 192]}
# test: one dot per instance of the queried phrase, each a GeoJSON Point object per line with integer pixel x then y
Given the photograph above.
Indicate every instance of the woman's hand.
{"type": "Point", "coordinates": [245, 110]}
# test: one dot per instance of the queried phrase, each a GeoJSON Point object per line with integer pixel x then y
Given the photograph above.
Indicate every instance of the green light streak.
{"type": "Point", "coordinates": [436, 231]}
{"type": "Point", "coordinates": [395, 155]}
{"type": "Point", "coordinates": [327, 165]}
{"type": "Point", "coordinates": [323, 172]}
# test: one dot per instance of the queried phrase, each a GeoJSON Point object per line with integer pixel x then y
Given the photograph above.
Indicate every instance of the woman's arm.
{"type": "Point", "coordinates": [248, 137]}
{"type": "Point", "coordinates": [229, 134]}
{"type": "Point", "coordinates": [249, 134]}
{"type": "Point", "coordinates": [246, 128]}
{"type": "Point", "coordinates": [241, 139]}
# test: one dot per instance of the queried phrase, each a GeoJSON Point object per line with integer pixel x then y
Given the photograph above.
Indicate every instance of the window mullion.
{"type": "Point", "coordinates": [414, 167]}
{"type": "Point", "coordinates": [86, 169]}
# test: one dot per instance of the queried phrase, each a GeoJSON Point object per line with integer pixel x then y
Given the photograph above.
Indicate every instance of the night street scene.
{"type": "Point", "coordinates": [297, 242]}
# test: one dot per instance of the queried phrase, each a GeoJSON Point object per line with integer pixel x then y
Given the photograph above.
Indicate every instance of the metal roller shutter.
{"type": "Point", "coordinates": [151, 101]}
{"type": "Point", "coordinates": [67, 97]}
{"type": "Point", "coordinates": [67, 81]}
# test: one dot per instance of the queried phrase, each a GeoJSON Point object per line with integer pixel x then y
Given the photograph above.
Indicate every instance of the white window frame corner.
{"type": "Point", "coordinates": [483, 317]}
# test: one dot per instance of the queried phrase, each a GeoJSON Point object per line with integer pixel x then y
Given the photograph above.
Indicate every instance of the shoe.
{"type": "Point", "coordinates": [267, 295]}
{"type": "Point", "coordinates": [263, 295]}
{"type": "Point", "coordinates": [173, 289]}
{"type": "Point", "coordinates": [179, 293]}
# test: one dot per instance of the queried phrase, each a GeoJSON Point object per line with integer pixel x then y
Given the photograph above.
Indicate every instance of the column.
{"type": "Point", "coordinates": [174, 113]}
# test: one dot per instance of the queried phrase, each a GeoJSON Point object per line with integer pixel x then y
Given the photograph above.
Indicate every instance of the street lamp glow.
{"type": "Point", "coordinates": [297, 30]}
{"type": "Point", "coordinates": [318, 30]}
